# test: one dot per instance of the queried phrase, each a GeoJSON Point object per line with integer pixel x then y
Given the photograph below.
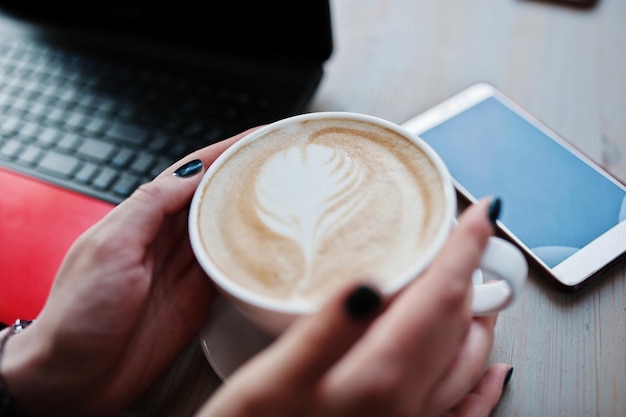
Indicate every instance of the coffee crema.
{"type": "Point", "coordinates": [307, 207]}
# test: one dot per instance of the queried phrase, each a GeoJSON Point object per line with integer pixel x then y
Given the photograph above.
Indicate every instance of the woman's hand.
{"type": "Point", "coordinates": [127, 299]}
{"type": "Point", "coordinates": [423, 354]}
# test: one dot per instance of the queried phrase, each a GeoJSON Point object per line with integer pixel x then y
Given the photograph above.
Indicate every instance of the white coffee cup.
{"type": "Point", "coordinates": [301, 206]}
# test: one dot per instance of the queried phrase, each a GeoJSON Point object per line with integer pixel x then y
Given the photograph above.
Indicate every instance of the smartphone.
{"type": "Point", "coordinates": [565, 212]}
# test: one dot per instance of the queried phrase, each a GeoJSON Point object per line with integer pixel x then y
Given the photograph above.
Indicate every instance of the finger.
{"type": "Point", "coordinates": [437, 306]}
{"type": "Point", "coordinates": [466, 342]}
{"type": "Point", "coordinates": [409, 348]}
{"type": "Point", "coordinates": [449, 276]}
{"type": "Point", "coordinates": [467, 367]}
{"type": "Point", "coordinates": [486, 395]}
{"type": "Point", "coordinates": [292, 367]}
{"type": "Point", "coordinates": [445, 289]}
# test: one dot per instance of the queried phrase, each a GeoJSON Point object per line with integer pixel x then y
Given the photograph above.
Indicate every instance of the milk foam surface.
{"type": "Point", "coordinates": [302, 210]}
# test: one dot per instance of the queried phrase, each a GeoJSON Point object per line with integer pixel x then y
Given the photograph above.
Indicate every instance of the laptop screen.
{"type": "Point", "coordinates": [294, 31]}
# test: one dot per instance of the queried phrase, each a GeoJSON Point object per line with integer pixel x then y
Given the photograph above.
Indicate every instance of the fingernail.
{"type": "Point", "coordinates": [507, 378]}
{"type": "Point", "coordinates": [363, 302]}
{"type": "Point", "coordinates": [189, 169]}
{"type": "Point", "coordinates": [494, 210]}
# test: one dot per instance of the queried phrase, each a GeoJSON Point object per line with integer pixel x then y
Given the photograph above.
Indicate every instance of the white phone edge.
{"type": "Point", "coordinates": [584, 264]}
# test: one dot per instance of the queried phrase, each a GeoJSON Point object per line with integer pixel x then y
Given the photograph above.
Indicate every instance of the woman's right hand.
{"type": "Point", "coordinates": [423, 354]}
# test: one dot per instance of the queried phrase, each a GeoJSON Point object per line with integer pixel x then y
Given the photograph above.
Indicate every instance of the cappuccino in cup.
{"type": "Point", "coordinates": [303, 206]}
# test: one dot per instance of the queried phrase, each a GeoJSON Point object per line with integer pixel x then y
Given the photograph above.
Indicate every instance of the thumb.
{"type": "Point", "coordinates": [167, 194]}
{"type": "Point", "coordinates": [145, 210]}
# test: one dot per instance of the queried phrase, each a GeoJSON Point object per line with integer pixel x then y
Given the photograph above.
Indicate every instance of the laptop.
{"type": "Point", "coordinates": [96, 99]}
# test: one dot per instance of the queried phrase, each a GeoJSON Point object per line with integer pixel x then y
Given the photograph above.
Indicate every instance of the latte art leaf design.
{"type": "Point", "coordinates": [306, 192]}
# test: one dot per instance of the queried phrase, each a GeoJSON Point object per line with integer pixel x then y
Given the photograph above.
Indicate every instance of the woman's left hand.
{"type": "Point", "coordinates": [126, 301]}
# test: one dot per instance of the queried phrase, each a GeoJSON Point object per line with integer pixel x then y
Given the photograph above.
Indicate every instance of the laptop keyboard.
{"type": "Point", "coordinates": [103, 129]}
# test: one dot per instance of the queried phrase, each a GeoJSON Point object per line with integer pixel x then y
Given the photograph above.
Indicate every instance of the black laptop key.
{"type": "Point", "coordinates": [96, 149]}
{"type": "Point", "coordinates": [29, 130]}
{"type": "Point", "coordinates": [160, 166]}
{"type": "Point", "coordinates": [128, 133]}
{"type": "Point", "coordinates": [97, 125]}
{"type": "Point", "coordinates": [56, 116]}
{"type": "Point", "coordinates": [59, 164]}
{"type": "Point", "coordinates": [159, 142]}
{"type": "Point", "coordinates": [75, 120]}
{"type": "Point", "coordinates": [105, 178]}
{"type": "Point", "coordinates": [125, 184]}
{"type": "Point", "coordinates": [39, 109]}
{"type": "Point", "coordinates": [68, 141]}
{"type": "Point", "coordinates": [180, 148]}
{"type": "Point", "coordinates": [48, 136]}
{"type": "Point", "coordinates": [11, 148]}
{"type": "Point", "coordinates": [143, 162]}
{"type": "Point", "coordinates": [9, 125]}
{"type": "Point", "coordinates": [86, 172]}
{"type": "Point", "coordinates": [30, 154]}
{"type": "Point", "coordinates": [123, 157]}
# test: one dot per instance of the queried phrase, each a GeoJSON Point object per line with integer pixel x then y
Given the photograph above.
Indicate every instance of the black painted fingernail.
{"type": "Point", "coordinates": [507, 378]}
{"type": "Point", "coordinates": [363, 302]}
{"type": "Point", "coordinates": [494, 210]}
{"type": "Point", "coordinates": [189, 169]}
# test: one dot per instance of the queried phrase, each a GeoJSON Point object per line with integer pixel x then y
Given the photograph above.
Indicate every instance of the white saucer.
{"type": "Point", "coordinates": [228, 340]}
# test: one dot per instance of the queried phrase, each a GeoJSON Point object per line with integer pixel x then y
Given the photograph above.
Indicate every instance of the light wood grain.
{"type": "Point", "coordinates": [567, 66]}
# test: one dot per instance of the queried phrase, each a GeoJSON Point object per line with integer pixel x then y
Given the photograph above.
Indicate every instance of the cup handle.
{"type": "Point", "coordinates": [503, 262]}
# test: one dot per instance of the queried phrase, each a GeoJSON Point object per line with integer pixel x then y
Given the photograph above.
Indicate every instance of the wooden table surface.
{"type": "Point", "coordinates": [567, 66]}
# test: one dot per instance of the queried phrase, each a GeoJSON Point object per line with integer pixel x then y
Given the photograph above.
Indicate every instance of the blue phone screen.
{"type": "Point", "coordinates": [552, 200]}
